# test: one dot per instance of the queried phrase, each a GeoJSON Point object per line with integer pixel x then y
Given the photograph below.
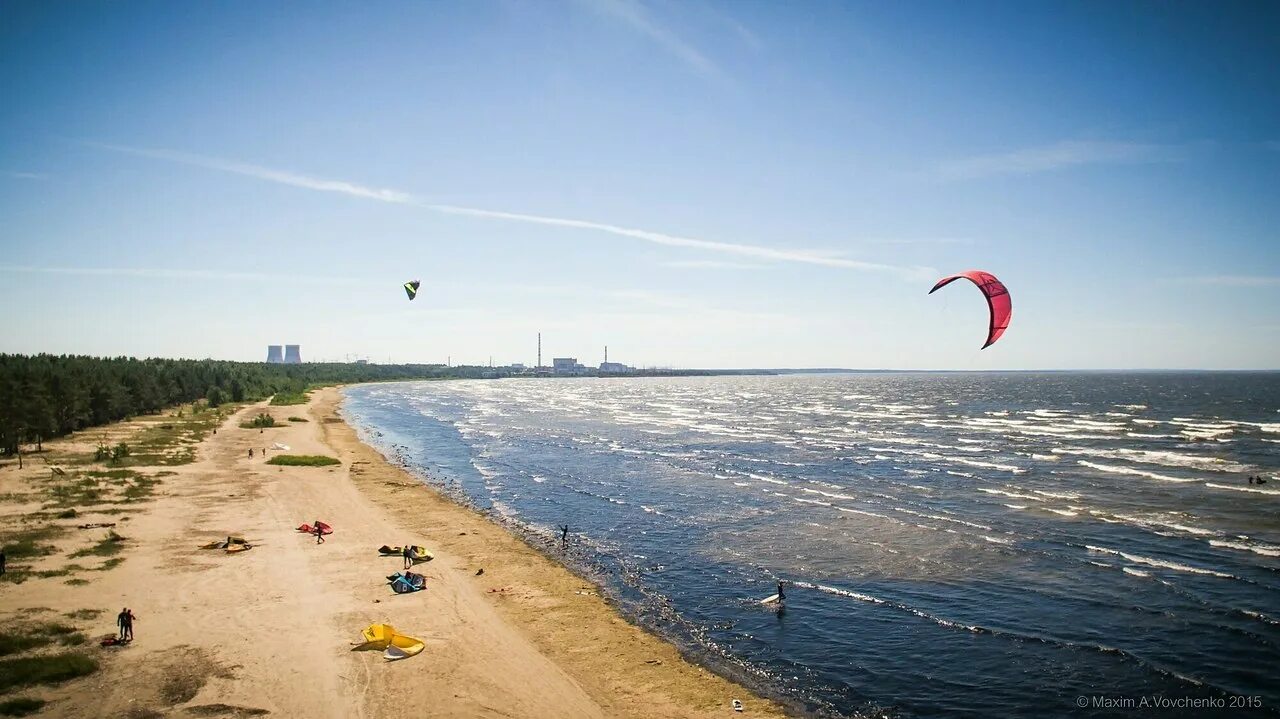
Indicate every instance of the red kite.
{"type": "Point", "coordinates": [997, 300]}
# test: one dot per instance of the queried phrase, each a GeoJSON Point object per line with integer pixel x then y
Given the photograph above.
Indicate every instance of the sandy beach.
{"type": "Point", "coordinates": [270, 630]}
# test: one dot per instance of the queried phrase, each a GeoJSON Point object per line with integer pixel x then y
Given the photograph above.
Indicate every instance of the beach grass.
{"type": "Point", "coordinates": [29, 542]}
{"type": "Point", "coordinates": [284, 399]}
{"type": "Point", "coordinates": [302, 460]}
{"type": "Point", "coordinates": [83, 614]}
{"type": "Point", "coordinates": [44, 669]}
{"type": "Point", "coordinates": [23, 638]}
{"type": "Point", "coordinates": [261, 421]}
{"type": "Point", "coordinates": [110, 545]}
{"type": "Point", "coordinates": [298, 419]}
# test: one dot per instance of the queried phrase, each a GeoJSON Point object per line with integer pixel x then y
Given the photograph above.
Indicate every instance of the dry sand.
{"type": "Point", "coordinates": [270, 629]}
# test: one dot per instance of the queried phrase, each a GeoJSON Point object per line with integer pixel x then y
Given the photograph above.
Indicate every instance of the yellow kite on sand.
{"type": "Point", "coordinates": [232, 544]}
{"type": "Point", "coordinates": [394, 645]}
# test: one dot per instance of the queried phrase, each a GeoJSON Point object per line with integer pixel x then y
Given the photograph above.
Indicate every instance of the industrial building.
{"type": "Point", "coordinates": [293, 354]}
{"type": "Point", "coordinates": [567, 366]}
{"type": "Point", "coordinates": [275, 354]}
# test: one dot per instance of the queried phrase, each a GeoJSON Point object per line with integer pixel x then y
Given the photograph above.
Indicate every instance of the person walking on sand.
{"type": "Point", "coordinates": [319, 532]}
{"type": "Point", "coordinates": [564, 537]}
{"type": "Point", "coordinates": [251, 453]}
{"type": "Point", "coordinates": [2, 561]}
{"type": "Point", "coordinates": [124, 621]}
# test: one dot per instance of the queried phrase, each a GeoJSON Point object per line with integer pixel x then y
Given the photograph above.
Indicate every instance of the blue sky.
{"type": "Point", "coordinates": [708, 184]}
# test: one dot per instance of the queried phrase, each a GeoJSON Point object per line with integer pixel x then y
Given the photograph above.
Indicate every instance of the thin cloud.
{"type": "Point", "coordinates": [398, 197]}
{"type": "Point", "coordinates": [711, 265]}
{"type": "Point", "coordinates": [25, 175]}
{"type": "Point", "coordinates": [177, 274]}
{"type": "Point", "coordinates": [265, 173]}
{"type": "Point", "coordinates": [918, 241]}
{"type": "Point", "coordinates": [635, 15]}
{"type": "Point", "coordinates": [1232, 280]}
{"type": "Point", "coordinates": [1058, 156]}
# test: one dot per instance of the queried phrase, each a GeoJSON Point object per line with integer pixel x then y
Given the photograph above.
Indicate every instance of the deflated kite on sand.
{"type": "Point", "coordinates": [230, 545]}
{"type": "Point", "coordinates": [416, 553]}
{"type": "Point", "coordinates": [394, 645]}
{"type": "Point", "coordinates": [406, 582]}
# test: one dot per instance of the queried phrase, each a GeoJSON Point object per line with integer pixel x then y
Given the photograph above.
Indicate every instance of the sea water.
{"type": "Point", "coordinates": [990, 544]}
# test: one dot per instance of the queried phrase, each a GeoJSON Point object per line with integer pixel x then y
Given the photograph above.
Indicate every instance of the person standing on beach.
{"type": "Point", "coordinates": [2, 560]}
{"type": "Point", "coordinates": [124, 622]}
{"type": "Point", "coordinates": [251, 453]}
{"type": "Point", "coordinates": [408, 556]}
{"type": "Point", "coordinates": [319, 532]}
{"type": "Point", "coordinates": [564, 537]}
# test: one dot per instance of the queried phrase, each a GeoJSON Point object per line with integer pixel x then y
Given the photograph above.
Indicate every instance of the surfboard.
{"type": "Point", "coordinates": [770, 600]}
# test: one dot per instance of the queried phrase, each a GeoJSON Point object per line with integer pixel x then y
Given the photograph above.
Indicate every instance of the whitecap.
{"type": "Point", "coordinates": [1254, 489]}
{"type": "Point", "coordinates": [1159, 562]}
{"type": "Point", "coordinates": [1129, 470]}
{"type": "Point", "coordinates": [1263, 549]}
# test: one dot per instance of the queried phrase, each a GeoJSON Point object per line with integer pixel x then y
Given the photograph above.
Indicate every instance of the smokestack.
{"type": "Point", "coordinates": [606, 354]}
{"type": "Point", "coordinates": [539, 349]}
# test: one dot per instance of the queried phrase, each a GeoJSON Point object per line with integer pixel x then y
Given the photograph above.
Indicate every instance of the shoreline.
{"type": "Point", "coordinates": [538, 585]}
{"type": "Point", "coordinates": [269, 631]}
{"type": "Point", "coordinates": [585, 568]}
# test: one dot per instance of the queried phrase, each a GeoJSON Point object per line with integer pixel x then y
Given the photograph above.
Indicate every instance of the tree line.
{"type": "Point", "coordinates": [44, 396]}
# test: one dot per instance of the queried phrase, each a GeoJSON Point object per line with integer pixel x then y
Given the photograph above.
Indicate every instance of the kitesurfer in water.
{"type": "Point", "coordinates": [782, 597]}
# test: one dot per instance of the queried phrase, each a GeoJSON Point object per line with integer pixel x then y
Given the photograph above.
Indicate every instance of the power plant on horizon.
{"type": "Point", "coordinates": [560, 366]}
{"type": "Point", "coordinates": [292, 354]}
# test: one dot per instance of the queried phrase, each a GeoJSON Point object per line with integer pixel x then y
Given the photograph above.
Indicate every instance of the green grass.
{"type": "Point", "coordinates": [50, 669]}
{"type": "Point", "coordinates": [289, 398]}
{"type": "Point", "coordinates": [302, 460]}
{"type": "Point", "coordinates": [110, 545]}
{"type": "Point", "coordinates": [298, 419]}
{"type": "Point", "coordinates": [20, 706]}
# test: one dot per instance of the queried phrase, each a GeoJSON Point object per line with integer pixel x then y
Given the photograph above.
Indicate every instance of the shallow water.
{"type": "Point", "coordinates": [987, 544]}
